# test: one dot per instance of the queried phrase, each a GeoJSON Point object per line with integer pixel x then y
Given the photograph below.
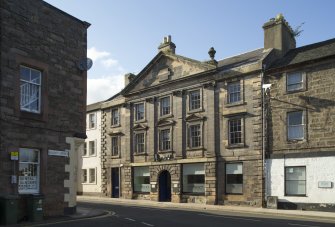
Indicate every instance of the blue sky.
{"type": "Point", "coordinates": [125, 34]}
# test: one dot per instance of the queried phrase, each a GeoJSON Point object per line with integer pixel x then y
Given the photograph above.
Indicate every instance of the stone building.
{"type": "Point", "coordinates": [43, 103]}
{"type": "Point", "coordinates": [89, 161]}
{"type": "Point", "coordinates": [301, 115]}
{"type": "Point", "coordinates": [216, 132]}
{"type": "Point", "coordinates": [189, 131]}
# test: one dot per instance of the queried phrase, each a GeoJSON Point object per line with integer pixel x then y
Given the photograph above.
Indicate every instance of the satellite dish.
{"type": "Point", "coordinates": [85, 64]}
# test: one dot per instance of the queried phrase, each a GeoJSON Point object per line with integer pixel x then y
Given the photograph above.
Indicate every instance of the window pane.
{"type": "Point", "coordinates": [141, 179]}
{"type": "Point", "coordinates": [294, 78]}
{"type": "Point", "coordinates": [139, 143]}
{"type": "Point", "coordinates": [165, 106]}
{"type": "Point", "coordinates": [139, 111]}
{"type": "Point", "coordinates": [295, 187]}
{"type": "Point", "coordinates": [115, 146]}
{"type": "Point", "coordinates": [235, 131]}
{"type": "Point", "coordinates": [35, 77]}
{"type": "Point", "coordinates": [194, 178]}
{"type": "Point", "coordinates": [25, 74]}
{"type": "Point", "coordinates": [295, 129]}
{"type": "Point", "coordinates": [234, 92]}
{"type": "Point", "coordinates": [295, 173]}
{"type": "Point", "coordinates": [165, 139]}
{"type": "Point", "coordinates": [194, 97]}
{"type": "Point", "coordinates": [234, 178]}
{"type": "Point", "coordinates": [28, 171]}
{"type": "Point", "coordinates": [295, 180]}
{"type": "Point", "coordinates": [115, 117]}
{"type": "Point", "coordinates": [295, 118]}
{"type": "Point", "coordinates": [296, 132]}
{"type": "Point", "coordinates": [30, 89]}
{"type": "Point", "coordinates": [195, 135]}
{"type": "Point", "coordinates": [294, 81]}
{"type": "Point", "coordinates": [92, 176]}
{"type": "Point", "coordinates": [84, 175]}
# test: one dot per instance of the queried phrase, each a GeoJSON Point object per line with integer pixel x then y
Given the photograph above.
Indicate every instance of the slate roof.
{"type": "Point", "coordinates": [306, 53]}
{"type": "Point", "coordinates": [242, 59]}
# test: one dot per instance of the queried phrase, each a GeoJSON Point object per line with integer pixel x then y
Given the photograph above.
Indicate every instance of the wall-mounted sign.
{"type": "Point", "coordinates": [14, 155]}
{"type": "Point", "coordinates": [325, 184]}
{"type": "Point", "coordinates": [58, 153]}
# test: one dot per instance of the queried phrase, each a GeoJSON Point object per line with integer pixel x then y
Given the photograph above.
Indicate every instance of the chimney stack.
{"type": "Point", "coordinates": [279, 35]}
{"type": "Point", "coordinates": [167, 46]}
{"type": "Point", "coordinates": [128, 78]}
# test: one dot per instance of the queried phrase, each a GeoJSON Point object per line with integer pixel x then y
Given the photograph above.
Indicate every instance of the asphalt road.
{"type": "Point", "coordinates": [135, 216]}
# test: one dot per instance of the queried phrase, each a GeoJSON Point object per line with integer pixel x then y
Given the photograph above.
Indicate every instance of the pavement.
{"type": "Point", "coordinates": [89, 213]}
{"type": "Point", "coordinates": [293, 214]}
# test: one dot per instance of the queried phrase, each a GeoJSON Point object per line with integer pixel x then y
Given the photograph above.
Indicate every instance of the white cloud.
{"type": "Point", "coordinates": [95, 55]}
{"type": "Point", "coordinates": [100, 89]}
{"type": "Point", "coordinates": [110, 62]}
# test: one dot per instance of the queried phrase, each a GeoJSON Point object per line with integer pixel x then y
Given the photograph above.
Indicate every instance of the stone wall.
{"type": "Point", "coordinates": [39, 36]}
{"type": "Point", "coordinates": [317, 101]}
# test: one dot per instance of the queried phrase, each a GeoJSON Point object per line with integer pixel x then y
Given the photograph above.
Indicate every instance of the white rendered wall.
{"type": "Point", "coordinates": [317, 169]}
{"type": "Point", "coordinates": [87, 162]}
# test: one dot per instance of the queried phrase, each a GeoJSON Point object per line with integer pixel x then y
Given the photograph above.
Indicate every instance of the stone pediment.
{"type": "Point", "coordinates": [195, 117]}
{"type": "Point", "coordinates": [138, 127]}
{"type": "Point", "coordinates": [165, 68]}
{"type": "Point", "coordinates": [116, 133]}
{"type": "Point", "coordinates": [165, 122]}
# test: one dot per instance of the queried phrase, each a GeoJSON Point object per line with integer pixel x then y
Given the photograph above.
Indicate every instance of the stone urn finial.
{"type": "Point", "coordinates": [211, 53]}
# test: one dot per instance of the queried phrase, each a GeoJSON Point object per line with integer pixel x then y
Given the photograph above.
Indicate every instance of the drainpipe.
{"type": "Point", "coordinates": [265, 87]}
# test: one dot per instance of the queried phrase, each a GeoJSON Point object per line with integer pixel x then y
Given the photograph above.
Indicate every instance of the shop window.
{"type": "Point", "coordinates": [29, 171]}
{"type": "Point", "coordinates": [234, 178]}
{"type": "Point", "coordinates": [141, 179]}
{"type": "Point", "coordinates": [194, 178]}
{"type": "Point", "coordinates": [295, 181]}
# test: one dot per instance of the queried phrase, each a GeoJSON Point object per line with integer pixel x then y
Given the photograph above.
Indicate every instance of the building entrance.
{"type": "Point", "coordinates": [164, 186]}
{"type": "Point", "coordinates": [115, 183]}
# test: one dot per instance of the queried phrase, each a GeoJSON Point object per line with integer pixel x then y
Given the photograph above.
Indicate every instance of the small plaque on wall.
{"type": "Point", "coordinates": [325, 184]}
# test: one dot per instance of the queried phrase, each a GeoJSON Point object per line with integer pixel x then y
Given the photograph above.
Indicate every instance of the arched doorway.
{"type": "Point", "coordinates": [164, 181]}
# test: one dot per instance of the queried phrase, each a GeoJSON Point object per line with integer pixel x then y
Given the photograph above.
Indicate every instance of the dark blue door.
{"type": "Point", "coordinates": [115, 183]}
{"type": "Point", "coordinates": [165, 186]}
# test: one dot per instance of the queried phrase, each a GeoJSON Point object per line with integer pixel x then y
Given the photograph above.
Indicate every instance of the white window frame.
{"type": "Point", "coordinates": [292, 87]}
{"type": "Point", "coordinates": [27, 87]}
{"type": "Point", "coordinates": [168, 143]}
{"type": "Point", "coordinates": [163, 108]}
{"type": "Point", "coordinates": [194, 170]}
{"type": "Point", "coordinates": [190, 137]}
{"type": "Point", "coordinates": [231, 92]}
{"type": "Point", "coordinates": [137, 145]}
{"type": "Point", "coordinates": [238, 170]}
{"type": "Point", "coordinates": [136, 112]}
{"type": "Point", "coordinates": [92, 120]}
{"type": "Point", "coordinates": [191, 107]}
{"type": "Point", "coordinates": [290, 126]}
{"type": "Point", "coordinates": [117, 146]}
{"type": "Point", "coordinates": [92, 148]}
{"type": "Point", "coordinates": [231, 133]}
{"type": "Point", "coordinates": [113, 118]}
{"type": "Point", "coordinates": [27, 175]}
{"type": "Point", "coordinates": [90, 181]}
